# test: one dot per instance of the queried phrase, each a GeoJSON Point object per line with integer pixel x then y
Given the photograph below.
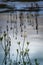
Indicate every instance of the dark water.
{"type": "Point", "coordinates": [40, 60]}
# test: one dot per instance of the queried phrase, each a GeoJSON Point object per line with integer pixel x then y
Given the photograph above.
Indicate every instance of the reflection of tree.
{"type": "Point", "coordinates": [6, 47]}
{"type": "Point", "coordinates": [24, 53]}
{"type": "Point", "coordinates": [21, 53]}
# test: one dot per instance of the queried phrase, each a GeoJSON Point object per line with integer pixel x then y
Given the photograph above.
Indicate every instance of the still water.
{"type": "Point", "coordinates": [40, 61]}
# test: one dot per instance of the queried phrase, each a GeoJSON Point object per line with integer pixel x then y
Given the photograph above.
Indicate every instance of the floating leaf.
{"type": "Point", "coordinates": [1, 38]}
{"type": "Point", "coordinates": [24, 63]}
{"type": "Point", "coordinates": [7, 27]}
{"type": "Point", "coordinates": [28, 62]}
{"type": "Point", "coordinates": [11, 28]}
{"type": "Point", "coordinates": [5, 34]}
{"type": "Point", "coordinates": [21, 52]}
{"type": "Point", "coordinates": [18, 43]}
{"type": "Point", "coordinates": [19, 62]}
{"type": "Point", "coordinates": [27, 43]}
{"type": "Point", "coordinates": [25, 54]}
{"type": "Point", "coordinates": [9, 43]}
{"type": "Point", "coordinates": [17, 50]}
{"type": "Point", "coordinates": [26, 50]}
